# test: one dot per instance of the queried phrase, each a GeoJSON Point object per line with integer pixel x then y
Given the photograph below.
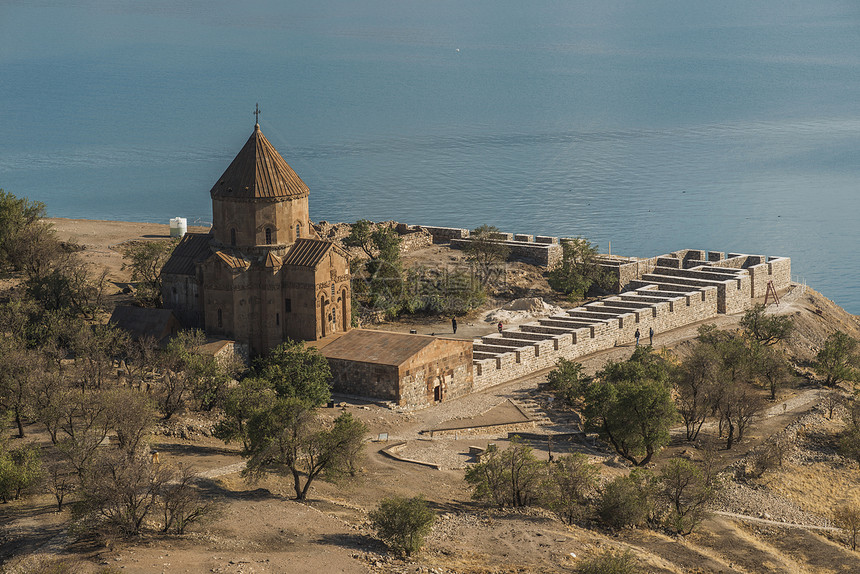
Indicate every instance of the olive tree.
{"type": "Point", "coordinates": [145, 259]}
{"type": "Point", "coordinates": [574, 480]}
{"type": "Point", "coordinates": [688, 488]}
{"type": "Point", "coordinates": [839, 359]}
{"type": "Point", "coordinates": [578, 269]}
{"type": "Point", "coordinates": [630, 405]}
{"type": "Point", "coordinates": [289, 438]}
{"type": "Point", "coordinates": [403, 523]}
{"type": "Point", "coordinates": [511, 477]}
{"type": "Point", "coordinates": [766, 328]}
{"type": "Point", "coordinates": [296, 371]}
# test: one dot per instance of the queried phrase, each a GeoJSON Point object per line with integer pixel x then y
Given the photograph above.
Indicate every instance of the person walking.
{"type": "Point", "coordinates": [636, 334]}
{"type": "Point", "coordinates": [651, 336]}
{"type": "Point", "coordinates": [454, 324]}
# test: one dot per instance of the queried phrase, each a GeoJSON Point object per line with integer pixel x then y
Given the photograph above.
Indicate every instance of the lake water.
{"type": "Point", "coordinates": [655, 126]}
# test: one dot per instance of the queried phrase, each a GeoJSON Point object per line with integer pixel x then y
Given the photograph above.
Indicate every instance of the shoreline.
{"type": "Point", "coordinates": [99, 236]}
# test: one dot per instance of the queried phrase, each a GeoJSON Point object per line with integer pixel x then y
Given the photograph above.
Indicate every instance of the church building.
{"type": "Point", "coordinates": [261, 275]}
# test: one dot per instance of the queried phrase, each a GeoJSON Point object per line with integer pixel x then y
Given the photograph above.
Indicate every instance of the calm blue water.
{"type": "Point", "coordinates": [651, 125]}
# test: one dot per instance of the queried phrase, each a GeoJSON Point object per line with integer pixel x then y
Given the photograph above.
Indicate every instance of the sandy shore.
{"type": "Point", "coordinates": [102, 240]}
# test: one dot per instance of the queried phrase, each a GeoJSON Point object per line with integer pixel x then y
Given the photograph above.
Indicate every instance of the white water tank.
{"type": "Point", "coordinates": [178, 226]}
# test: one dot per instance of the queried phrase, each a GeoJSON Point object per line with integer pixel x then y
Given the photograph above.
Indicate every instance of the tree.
{"type": "Point", "coordinates": [511, 477]}
{"type": "Point", "coordinates": [97, 348]}
{"type": "Point", "coordinates": [627, 500]}
{"type": "Point", "coordinates": [832, 401]}
{"type": "Point", "coordinates": [20, 469]}
{"type": "Point", "coordinates": [838, 361]}
{"type": "Point", "coordinates": [486, 252]}
{"type": "Point", "coordinates": [378, 282]}
{"type": "Point", "coordinates": [241, 403]}
{"type": "Point", "coordinates": [403, 523]}
{"type": "Point", "coordinates": [733, 397]}
{"type": "Point", "coordinates": [568, 381]}
{"type": "Point", "coordinates": [85, 425]}
{"type": "Point", "coordinates": [688, 488]}
{"type": "Point", "coordinates": [738, 405]}
{"type": "Point", "coordinates": [773, 369]}
{"type": "Point", "coordinates": [187, 372]}
{"type": "Point", "coordinates": [578, 269]}
{"type": "Point", "coordinates": [296, 371]}
{"type": "Point", "coordinates": [145, 259]}
{"type": "Point", "coordinates": [630, 405]}
{"type": "Point", "coordinates": [695, 381]}
{"type": "Point", "coordinates": [849, 442]}
{"type": "Point", "coordinates": [575, 480]}
{"type": "Point", "coordinates": [181, 503]}
{"type": "Point", "coordinates": [131, 416]}
{"type": "Point", "coordinates": [119, 492]}
{"type": "Point", "coordinates": [68, 285]}
{"type": "Point", "coordinates": [289, 438]}
{"type": "Point", "coordinates": [767, 329]}
{"type": "Point", "coordinates": [27, 243]}
{"type": "Point", "coordinates": [18, 366]}
{"type": "Point", "coordinates": [847, 517]}
{"type": "Point", "coordinates": [61, 481]}
{"type": "Point", "coordinates": [361, 235]}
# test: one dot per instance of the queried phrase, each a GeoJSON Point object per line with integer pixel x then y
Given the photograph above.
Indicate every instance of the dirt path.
{"type": "Point", "coordinates": [748, 518]}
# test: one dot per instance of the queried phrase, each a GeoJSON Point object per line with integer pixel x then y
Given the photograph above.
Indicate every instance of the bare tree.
{"type": "Point", "coordinates": [486, 252]}
{"type": "Point", "coordinates": [131, 416]}
{"type": "Point", "coordinates": [86, 424]}
{"type": "Point", "coordinates": [119, 492]}
{"type": "Point", "coordinates": [694, 383]}
{"type": "Point", "coordinates": [847, 517]}
{"type": "Point", "coordinates": [61, 481]}
{"type": "Point", "coordinates": [832, 401]}
{"type": "Point", "coordinates": [181, 502]}
{"type": "Point", "coordinates": [18, 366]}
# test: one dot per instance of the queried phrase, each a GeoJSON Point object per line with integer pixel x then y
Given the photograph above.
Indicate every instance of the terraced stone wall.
{"type": "Point", "coordinates": [663, 316]}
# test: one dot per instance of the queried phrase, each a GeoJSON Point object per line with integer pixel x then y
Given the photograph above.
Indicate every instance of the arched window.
{"type": "Point", "coordinates": [233, 237]}
{"type": "Point", "coordinates": [220, 319]}
{"type": "Point", "coordinates": [298, 230]}
{"type": "Point", "coordinates": [268, 236]}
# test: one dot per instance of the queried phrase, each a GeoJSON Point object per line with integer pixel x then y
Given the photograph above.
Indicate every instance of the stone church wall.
{"type": "Point", "coordinates": [446, 363]}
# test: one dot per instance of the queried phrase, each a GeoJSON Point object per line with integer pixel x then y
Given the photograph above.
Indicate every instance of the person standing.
{"type": "Point", "coordinates": [454, 324]}
{"type": "Point", "coordinates": [501, 326]}
{"type": "Point", "coordinates": [651, 336]}
{"type": "Point", "coordinates": [636, 334]}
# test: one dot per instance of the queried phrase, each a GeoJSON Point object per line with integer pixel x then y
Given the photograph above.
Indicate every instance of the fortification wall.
{"type": "Point", "coordinates": [697, 305]}
{"type": "Point", "coordinates": [545, 255]}
{"type": "Point", "coordinates": [542, 250]}
{"type": "Point", "coordinates": [667, 292]}
{"type": "Point", "coordinates": [443, 234]}
{"type": "Point", "coordinates": [624, 270]}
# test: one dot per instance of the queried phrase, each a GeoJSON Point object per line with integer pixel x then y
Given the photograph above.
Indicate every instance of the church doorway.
{"type": "Point", "coordinates": [343, 313]}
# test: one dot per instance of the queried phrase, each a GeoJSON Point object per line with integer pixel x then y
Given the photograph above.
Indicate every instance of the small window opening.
{"type": "Point", "coordinates": [220, 319]}
{"type": "Point", "coordinates": [277, 318]}
{"type": "Point", "coordinates": [288, 306]}
{"type": "Point", "coordinates": [233, 237]}
{"type": "Point", "coordinates": [298, 230]}
{"type": "Point", "coordinates": [268, 236]}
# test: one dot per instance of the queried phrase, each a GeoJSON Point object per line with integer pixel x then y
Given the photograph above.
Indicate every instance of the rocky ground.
{"type": "Point", "coordinates": [776, 523]}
